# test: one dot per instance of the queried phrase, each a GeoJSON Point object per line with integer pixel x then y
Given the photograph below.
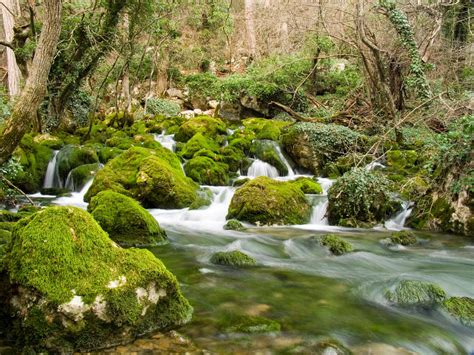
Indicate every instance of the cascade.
{"type": "Point", "coordinates": [166, 140]}
{"type": "Point", "coordinates": [260, 168]}
{"type": "Point", "coordinates": [398, 221]}
{"type": "Point", "coordinates": [291, 172]}
{"type": "Point", "coordinates": [75, 198]}
{"type": "Point", "coordinates": [52, 179]}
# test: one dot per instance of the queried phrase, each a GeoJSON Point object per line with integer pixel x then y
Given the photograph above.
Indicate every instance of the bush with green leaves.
{"type": "Point", "coordinates": [167, 108]}
{"type": "Point", "coordinates": [8, 172]}
{"type": "Point", "coordinates": [5, 109]}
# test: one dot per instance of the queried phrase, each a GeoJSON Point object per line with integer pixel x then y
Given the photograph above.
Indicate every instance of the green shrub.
{"type": "Point", "coordinates": [167, 108]}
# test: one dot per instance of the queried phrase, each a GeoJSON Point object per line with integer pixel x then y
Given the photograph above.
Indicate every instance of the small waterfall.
{"type": "Point", "coordinates": [75, 198]}
{"type": "Point", "coordinates": [374, 165]}
{"type": "Point", "coordinates": [70, 182]}
{"type": "Point", "coordinates": [260, 168]}
{"type": "Point", "coordinates": [291, 173]}
{"type": "Point", "coordinates": [398, 221]}
{"type": "Point", "coordinates": [166, 140]}
{"type": "Point", "coordinates": [318, 216]}
{"type": "Point", "coordinates": [52, 179]}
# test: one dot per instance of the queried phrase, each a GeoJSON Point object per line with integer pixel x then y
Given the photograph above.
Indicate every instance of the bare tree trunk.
{"type": "Point", "coordinates": [126, 73]}
{"type": "Point", "coordinates": [9, 10]}
{"type": "Point", "coordinates": [250, 24]}
{"type": "Point", "coordinates": [35, 89]}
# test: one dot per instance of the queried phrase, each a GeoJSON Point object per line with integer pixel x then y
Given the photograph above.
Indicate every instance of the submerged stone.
{"type": "Point", "coordinates": [410, 293]}
{"type": "Point", "coordinates": [232, 258]}
{"type": "Point", "coordinates": [234, 225]}
{"type": "Point", "coordinates": [249, 324]}
{"type": "Point", "coordinates": [125, 220]}
{"type": "Point", "coordinates": [336, 245]}
{"type": "Point", "coordinates": [461, 308]}
{"type": "Point", "coordinates": [404, 238]}
{"type": "Point", "coordinates": [69, 287]}
{"type": "Point", "coordinates": [267, 202]}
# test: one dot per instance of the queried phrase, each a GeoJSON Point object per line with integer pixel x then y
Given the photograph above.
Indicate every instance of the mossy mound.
{"type": "Point", "coordinates": [207, 126]}
{"type": "Point", "coordinates": [402, 161]}
{"type": "Point", "coordinates": [266, 201]}
{"type": "Point", "coordinates": [79, 176]}
{"type": "Point", "coordinates": [71, 157]}
{"type": "Point", "coordinates": [404, 238]}
{"type": "Point", "coordinates": [362, 196]}
{"type": "Point", "coordinates": [248, 324]}
{"type": "Point", "coordinates": [151, 176]}
{"type": "Point", "coordinates": [206, 171]}
{"type": "Point", "coordinates": [264, 128]}
{"type": "Point", "coordinates": [461, 308]}
{"type": "Point", "coordinates": [234, 158]}
{"type": "Point", "coordinates": [234, 225]}
{"type": "Point", "coordinates": [125, 220]}
{"type": "Point", "coordinates": [336, 245]}
{"type": "Point", "coordinates": [197, 143]}
{"type": "Point", "coordinates": [75, 289]}
{"type": "Point", "coordinates": [410, 293]}
{"type": "Point", "coordinates": [308, 186]}
{"type": "Point", "coordinates": [49, 141]}
{"type": "Point", "coordinates": [265, 150]}
{"type": "Point", "coordinates": [313, 145]}
{"type": "Point", "coordinates": [233, 258]}
{"type": "Point", "coordinates": [345, 163]}
{"type": "Point", "coordinates": [108, 153]}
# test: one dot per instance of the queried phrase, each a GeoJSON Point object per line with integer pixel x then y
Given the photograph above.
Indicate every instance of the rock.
{"type": "Point", "coordinates": [213, 104]}
{"type": "Point", "coordinates": [207, 126]}
{"type": "Point", "coordinates": [151, 176]}
{"type": "Point", "coordinates": [403, 238]}
{"type": "Point", "coordinates": [336, 245]}
{"type": "Point", "coordinates": [69, 287]}
{"type": "Point", "coordinates": [204, 198]}
{"type": "Point", "coordinates": [461, 308]}
{"type": "Point", "coordinates": [49, 141]}
{"type": "Point", "coordinates": [266, 201]}
{"type": "Point", "coordinates": [361, 196]}
{"type": "Point", "coordinates": [173, 92]}
{"type": "Point", "coordinates": [248, 324]}
{"type": "Point", "coordinates": [234, 225]}
{"type": "Point", "coordinates": [262, 128]}
{"type": "Point", "coordinates": [229, 111]}
{"type": "Point", "coordinates": [265, 150]}
{"type": "Point", "coordinates": [126, 222]}
{"type": "Point", "coordinates": [79, 176]}
{"type": "Point", "coordinates": [313, 145]}
{"type": "Point", "coordinates": [308, 185]}
{"type": "Point", "coordinates": [188, 114]}
{"type": "Point", "coordinates": [233, 258]}
{"type": "Point", "coordinates": [410, 293]}
{"type": "Point", "coordinates": [206, 171]}
{"type": "Point", "coordinates": [71, 157]}
{"type": "Point", "coordinates": [379, 348]}
{"type": "Point", "coordinates": [197, 112]}
{"type": "Point", "coordinates": [196, 143]}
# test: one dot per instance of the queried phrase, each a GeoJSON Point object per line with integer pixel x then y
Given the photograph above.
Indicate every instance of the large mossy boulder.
{"type": "Point", "coordinates": [78, 177]}
{"type": "Point", "coordinates": [197, 143]}
{"type": "Point", "coordinates": [266, 202]}
{"type": "Point", "coordinates": [411, 293]}
{"type": "Point", "coordinates": [360, 198]}
{"type": "Point", "coordinates": [68, 287]}
{"type": "Point", "coordinates": [126, 222]}
{"type": "Point", "coordinates": [266, 150]}
{"type": "Point", "coordinates": [262, 128]}
{"type": "Point", "coordinates": [71, 157]}
{"type": "Point", "coordinates": [207, 126]}
{"type": "Point", "coordinates": [152, 176]}
{"type": "Point", "coordinates": [206, 171]}
{"type": "Point", "coordinates": [308, 185]}
{"type": "Point", "coordinates": [313, 145]}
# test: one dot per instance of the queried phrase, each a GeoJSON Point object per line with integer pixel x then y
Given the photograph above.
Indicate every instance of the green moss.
{"type": "Point", "coordinates": [207, 126]}
{"type": "Point", "coordinates": [266, 151]}
{"type": "Point", "coordinates": [361, 195]}
{"type": "Point", "coordinates": [71, 157]}
{"type": "Point", "coordinates": [82, 174]}
{"type": "Point", "coordinates": [233, 157]}
{"type": "Point", "coordinates": [336, 245]}
{"type": "Point", "coordinates": [152, 176]}
{"type": "Point", "coordinates": [345, 163]}
{"type": "Point", "coordinates": [308, 185]}
{"type": "Point", "coordinates": [49, 141]}
{"type": "Point", "coordinates": [206, 171]}
{"type": "Point", "coordinates": [233, 258]}
{"type": "Point", "coordinates": [265, 129]}
{"type": "Point", "coordinates": [108, 153]}
{"type": "Point", "coordinates": [266, 201]}
{"type": "Point", "coordinates": [409, 293]}
{"type": "Point", "coordinates": [461, 308]}
{"type": "Point", "coordinates": [60, 253]}
{"type": "Point", "coordinates": [402, 161]}
{"type": "Point", "coordinates": [233, 323]}
{"type": "Point", "coordinates": [234, 225]}
{"type": "Point", "coordinates": [403, 238]}
{"type": "Point", "coordinates": [204, 198]}
{"type": "Point", "coordinates": [240, 182]}
{"type": "Point", "coordinates": [125, 220]}
{"type": "Point", "coordinates": [197, 143]}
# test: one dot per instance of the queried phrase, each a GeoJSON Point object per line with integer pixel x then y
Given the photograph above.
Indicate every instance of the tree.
{"type": "Point", "coordinates": [35, 88]}
{"type": "Point", "coordinates": [9, 9]}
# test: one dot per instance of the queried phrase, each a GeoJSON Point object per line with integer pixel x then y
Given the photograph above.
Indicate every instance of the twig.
{"type": "Point", "coordinates": [9, 183]}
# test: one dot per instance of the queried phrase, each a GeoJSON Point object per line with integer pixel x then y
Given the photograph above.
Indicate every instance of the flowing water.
{"type": "Point", "coordinates": [312, 294]}
{"type": "Point", "coordinates": [52, 179]}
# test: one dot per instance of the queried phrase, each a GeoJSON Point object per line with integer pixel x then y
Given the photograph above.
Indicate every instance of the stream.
{"type": "Point", "coordinates": [312, 294]}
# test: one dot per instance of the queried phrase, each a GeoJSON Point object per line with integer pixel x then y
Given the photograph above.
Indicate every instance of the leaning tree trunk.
{"type": "Point", "coordinates": [250, 24]}
{"type": "Point", "coordinates": [35, 89]}
{"type": "Point", "coordinates": [9, 9]}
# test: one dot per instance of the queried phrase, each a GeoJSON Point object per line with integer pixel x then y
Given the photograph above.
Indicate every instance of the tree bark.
{"type": "Point", "coordinates": [9, 10]}
{"type": "Point", "coordinates": [250, 24]}
{"type": "Point", "coordinates": [35, 89]}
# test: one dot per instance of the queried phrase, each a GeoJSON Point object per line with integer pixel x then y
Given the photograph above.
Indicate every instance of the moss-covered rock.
{"type": "Point", "coordinates": [264, 128]}
{"type": "Point", "coordinates": [345, 163]}
{"type": "Point", "coordinates": [152, 176]}
{"type": "Point", "coordinates": [108, 153]}
{"type": "Point", "coordinates": [197, 143]}
{"type": "Point", "coordinates": [361, 195]}
{"type": "Point", "coordinates": [49, 141]}
{"type": "Point", "coordinates": [461, 308]}
{"type": "Point", "coordinates": [313, 145]}
{"type": "Point", "coordinates": [266, 201]}
{"type": "Point", "coordinates": [265, 150]}
{"type": "Point", "coordinates": [336, 245]}
{"type": "Point", "coordinates": [402, 160]}
{"type": "Point", "coordinates": [232, 258]}
{"type": "Point", "coordinates": [207, 126]}
{"type": "Point", "coordinates": [234, 158]}
{"type": "Point", "coordinates": [308, 185]}
{"type": "Point", "coordinates": [125, 220]}
{"type": "Point", "coordinates": [71, 157]}
{"type": "Point", "coordinates": [410, 293]}
{"type": "Point", "coordinates": [206, 171]}
{"type": "Point", "coordinates": [204, 198]}
{"type": "Point", "coordinates": [79, 176]}
{"type": "Point", "coordinates": [234, 225]}
{"type": "Point", "coordinates": [233, 323]}
{"type": "Point", "coordinates": [404, 238]}
{"type": "Point", "coordinates": [69, 287]}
